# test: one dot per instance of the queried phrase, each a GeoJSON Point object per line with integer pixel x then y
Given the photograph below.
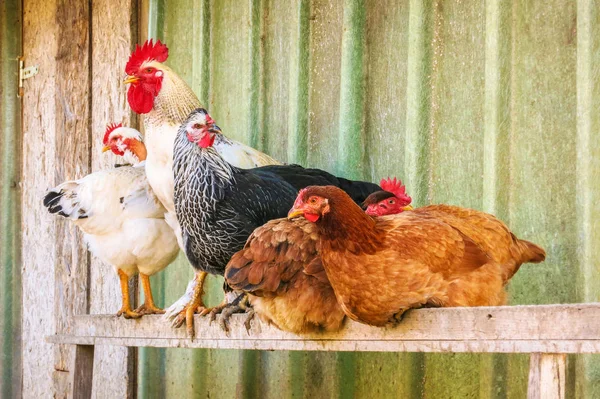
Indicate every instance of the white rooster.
{"type": "Point", "coordinates": [121, 218]}
{"type": "Point", "coordinates": [166, 101]}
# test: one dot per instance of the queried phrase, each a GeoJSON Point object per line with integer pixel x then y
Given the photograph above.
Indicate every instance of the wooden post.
{"type": "Point", "coordinates": [547, 376]}
{"type": "Point", "coordinates": [83, 371]}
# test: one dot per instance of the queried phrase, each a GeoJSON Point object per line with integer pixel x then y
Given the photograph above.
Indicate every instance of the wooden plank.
{"type": "Point", "coordinates": [56, 147]}
{"type": "Point", "coordinates": [83, 371]}
{"type": "Point", "coordinates": [115, 366]}
{"type": "Point", "coordinates": [549, 329]}
{"type": "Point", "coordinates": [547, 376]}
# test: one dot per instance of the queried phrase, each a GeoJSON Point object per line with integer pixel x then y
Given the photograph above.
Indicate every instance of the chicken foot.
{"type": "Point", "coordinates": [125, 310]}
{"type": "Point", "coordinates": [240, 304]}
{"type": "Point", "coordinates": [194, 305]}
{"type": "Point", "coordinates": [148, 307]}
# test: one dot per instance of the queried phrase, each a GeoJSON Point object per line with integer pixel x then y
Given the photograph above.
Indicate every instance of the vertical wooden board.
{"type": "Point", "coordinates": [457, 103]}
{"type": "Point", "coordinates": [39, 42]}
{"type": "Point", "coordinates": [457, 123]}
{"type": "Point", "coordinates": [10, 198]}
{"type": "Point", "coordinates": [385, 99]}
{"type": "Point", "coordinates": [54, 36]}
{"type": "Point", "coordinates": [109, 105]}
{"type": "Point", "coordinates": [543, 154]}
{"type": "Point", "coordinates": [72, 112]}
{"type": "Point", "coordinates": [279, 44]}
{"type": "Point", "coordinates": [324, 87]}
{"type": "Point", "coordinates": [230, 67]}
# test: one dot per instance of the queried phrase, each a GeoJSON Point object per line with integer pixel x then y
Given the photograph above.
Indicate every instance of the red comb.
{"type": "Point", "coordinates": [109, 129]}
{"type": "Point", "coordinates": [148, 51]}
{"type": "Point", "coordinates": [397, 188]}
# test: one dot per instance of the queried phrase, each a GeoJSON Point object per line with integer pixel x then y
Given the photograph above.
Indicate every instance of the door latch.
{"type": "Point", "coordinates": [25, 73]}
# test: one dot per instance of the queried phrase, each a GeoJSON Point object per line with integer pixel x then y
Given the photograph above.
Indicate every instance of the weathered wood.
{"type": "Point", "coordinates": [116, 374]}
{"type": "Point", "coordinates": [509, 329]}
{"type": "Point", "coordinates": [547, 376]}
{"type": "Point", "coordinates": [56, 147]}
{"type": "Point", "coordinates": [83, 371]}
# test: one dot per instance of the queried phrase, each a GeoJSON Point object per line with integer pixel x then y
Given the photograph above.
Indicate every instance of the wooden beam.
{"type": "Point", "coordinates": [508, 329]}
{"type": "Point", "coordinates": [83, 371]}
{"type": "Point", "coordinates": [547, 376]}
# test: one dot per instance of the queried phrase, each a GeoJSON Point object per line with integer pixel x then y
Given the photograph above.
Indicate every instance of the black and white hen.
{"type": "Point", "coordinates": [219, 205]}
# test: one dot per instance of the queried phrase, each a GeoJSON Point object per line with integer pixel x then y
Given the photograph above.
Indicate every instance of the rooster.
{"type": "Point", "coordinates": [281, 269]}
{"type": "Point", "coordinates": [381, 267]}
{"type": "Point", "coordinates": [121, 218]}
{"type": "Point", "coordinates": [220, 205]}
{"type": "Point", "coordinates": [166, 101]}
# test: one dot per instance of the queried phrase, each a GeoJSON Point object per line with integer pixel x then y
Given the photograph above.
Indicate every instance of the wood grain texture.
{"type": "Point", "coordinates": [115, 366]}
{"type": "Point", "coordinates": [547, 376]}
{"type": "Point", "coordinates": [83, 371]}
{"type": "Point", "coordinates": [56, 147]}
{"type": "Point", "coordinates": [525, 329]}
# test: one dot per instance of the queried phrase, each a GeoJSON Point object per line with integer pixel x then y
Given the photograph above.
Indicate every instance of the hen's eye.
{"type": "Point", "coordinates": [148, 70]}
{"type": "Point", "coordinates": [197, 126]}
{"type": "Point", "coordinates": [391, 202]}
{"type": "Point", "coordinates": [313, 200]}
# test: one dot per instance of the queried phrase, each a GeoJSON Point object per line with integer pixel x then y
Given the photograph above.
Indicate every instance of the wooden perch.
{"type": "Point", "coordinates": [508, 329]}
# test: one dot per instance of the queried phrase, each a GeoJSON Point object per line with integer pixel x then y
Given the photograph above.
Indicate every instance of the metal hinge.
{"type": "Point", "coordinates": [25, 73]}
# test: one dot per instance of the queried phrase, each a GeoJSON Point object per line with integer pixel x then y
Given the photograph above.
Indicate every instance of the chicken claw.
{"type": "Point", "coordinates": [128, 313]}
{"type": "Point", "coordinates": [190, 303]}
{"type": "Point", "coordinates": [145, 309]}
{"type": "Point", "coordinates": [239, 305]}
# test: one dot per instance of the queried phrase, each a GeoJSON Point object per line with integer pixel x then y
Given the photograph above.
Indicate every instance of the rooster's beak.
{"type": "Point", "coordinates": [130, 79]}
{"type": "Point", "coordinates": [105, 148]}
{"type": "Point", "coordinates": [295, 213]}
{"type": "Point", "coordinates": [408, 208]}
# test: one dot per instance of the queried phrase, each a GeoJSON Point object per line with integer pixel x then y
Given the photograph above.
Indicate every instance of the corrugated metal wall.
{"type": "Point", "coordinates": [485, 104]}
{"type": "Point", "coordinates": [10, 272]}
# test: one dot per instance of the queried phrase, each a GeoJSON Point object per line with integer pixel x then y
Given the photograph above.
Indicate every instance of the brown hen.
{"type": "Point", "coordinates": [280, 266]}
{"type": "Point", "coordinates": [433, 256]}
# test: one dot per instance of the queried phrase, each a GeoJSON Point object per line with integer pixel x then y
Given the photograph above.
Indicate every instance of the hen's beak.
{"type": "Point", "coordinates": [408, 208]}
{"type": "Point", "coordinates": [105, 148]}
{"type": "Point", "coordinates": [294, 212]}
{"type": "Point", "coordinates": [130, 79]}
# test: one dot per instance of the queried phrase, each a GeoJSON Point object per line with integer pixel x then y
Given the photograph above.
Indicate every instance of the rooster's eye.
{"type": "Point", "coordinates": [148, 70]}
{"type": "Point", "coordinates": [391, 202]}
{"type": "Point", "coordinates": [197, 126]}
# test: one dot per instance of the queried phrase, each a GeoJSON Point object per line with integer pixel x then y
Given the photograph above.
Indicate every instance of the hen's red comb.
{"type": "Point", "coordinates": [109, 129]}
{"type": "Point", "coordinates": [148, 51]}
{"type": "Point", "coordinates": [397, 188]}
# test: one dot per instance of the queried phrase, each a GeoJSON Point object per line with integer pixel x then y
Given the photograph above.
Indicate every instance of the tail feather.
{"type": "Point", "coordinates": [62, 200]}
{"type": "Point", "coordinates": [531, 253]}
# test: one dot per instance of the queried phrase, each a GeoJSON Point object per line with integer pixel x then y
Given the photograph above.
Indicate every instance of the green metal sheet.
{"type": "Point", "coordinates": [10, 198]}
{"type": "Point", "coordinates": [486, 104]}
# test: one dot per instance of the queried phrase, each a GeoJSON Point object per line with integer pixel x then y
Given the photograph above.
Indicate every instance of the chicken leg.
{"type": "Point", "coordinates": [193, 306]}
{"type": "Point", "coordinates": [125, 310]}
{"type": "Point", "coordinates": [148, 306]}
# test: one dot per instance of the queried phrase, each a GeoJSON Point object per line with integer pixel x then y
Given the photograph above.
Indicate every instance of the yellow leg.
{"type": "Point", "coordinates": [148, 306]}
{"type": "Point", "coordinates": [195, 305]}
{"type": "Point", "coordinates": [126, 308]}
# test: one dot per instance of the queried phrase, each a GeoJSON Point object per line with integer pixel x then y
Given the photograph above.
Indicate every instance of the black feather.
{"type": "Point", "coordinates": [218, 205]}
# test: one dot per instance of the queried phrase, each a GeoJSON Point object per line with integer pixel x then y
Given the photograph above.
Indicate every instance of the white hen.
{"type": "Point", "coordinates": [121, 218]}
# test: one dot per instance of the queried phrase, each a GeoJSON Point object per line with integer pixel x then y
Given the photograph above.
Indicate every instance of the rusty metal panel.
{"type": "Point", "coordinates": [485, 104]}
